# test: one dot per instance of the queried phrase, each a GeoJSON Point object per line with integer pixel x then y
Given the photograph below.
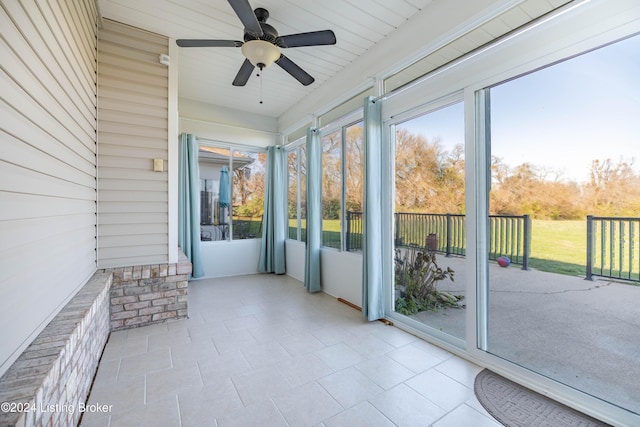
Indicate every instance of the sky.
{"type": "Point", "coordinates": [561, 117]}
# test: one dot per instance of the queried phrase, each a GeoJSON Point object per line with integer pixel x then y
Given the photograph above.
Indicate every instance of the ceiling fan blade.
{"type": "Point", "coordinates": [243, 75]}
{"type": "Point", "coordinates": [242, 8]}
{"type": "Point", "coordinates": [314, 38]}
{"type": "Point", "coordinates": [298, 73]}
{"type": "Point", "coordinates": [208, 43]}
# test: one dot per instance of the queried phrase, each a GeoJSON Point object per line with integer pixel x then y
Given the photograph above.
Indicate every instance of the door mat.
{"type": "Point", "coordinates": [517, 406]}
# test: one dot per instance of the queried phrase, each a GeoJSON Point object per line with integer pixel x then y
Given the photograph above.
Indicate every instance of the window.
{"type": "Point", "coordinates": [342, 187]}
{"type": "Point", "coordinates": [293, 196]}
{"type": "Point", "coordinates": [354, 185]}
{"type": "Point", "coordinates": [297, 190]}
{"type": "Point", "coordinates": [235, 211]}
{"type": "Point", "coordinates": [249, 170]}
{"type": "Point", "coordinates": [214, 220]}
{"type": "Point", "coordinates": [331, 188]}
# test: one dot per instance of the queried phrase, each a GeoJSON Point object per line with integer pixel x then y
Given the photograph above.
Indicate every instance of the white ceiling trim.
{"type": "Point", "coordinates": [481, 18]}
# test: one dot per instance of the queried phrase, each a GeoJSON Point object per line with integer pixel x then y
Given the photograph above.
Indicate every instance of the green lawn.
{"type": "Point", "coordinates": [559, 246]}
{"type": "Point", "coordinates": [331, 225]}
{"type": "Point", "coordinates": [330, 232]}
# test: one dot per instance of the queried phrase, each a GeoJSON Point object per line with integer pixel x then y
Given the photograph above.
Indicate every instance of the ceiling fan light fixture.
{"type": "Point", "coordinates": [260, 53]}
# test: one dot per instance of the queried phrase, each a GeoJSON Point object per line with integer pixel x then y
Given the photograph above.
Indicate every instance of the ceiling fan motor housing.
{"type": "Point", "coordinates": [262, 14]}
{"type": "Point", "coordinates": [269, 33]}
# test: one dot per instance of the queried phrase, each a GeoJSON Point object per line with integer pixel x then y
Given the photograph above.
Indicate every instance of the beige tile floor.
{"type": "Point", "coordinates": [261, 351]}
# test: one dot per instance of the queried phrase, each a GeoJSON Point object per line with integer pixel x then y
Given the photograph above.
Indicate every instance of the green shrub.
{"type": "Point", "coordinates": [416, 277]}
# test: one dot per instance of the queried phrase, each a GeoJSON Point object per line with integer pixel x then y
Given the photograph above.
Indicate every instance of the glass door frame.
{"type": "Point", "coordinates": [389, 133]}
{"type": "Point", "coordinates": [556, 38]}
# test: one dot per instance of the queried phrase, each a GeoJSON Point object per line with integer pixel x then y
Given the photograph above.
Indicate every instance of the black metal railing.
{"type": "Point", "coordinates": [613, 248]}
{"type": "Point", "coordinates": [354, 231]}
{"type": "Point", "coordinates": [510, 235]}
{"type": "Point", "coordinates": [443, 233]}
{"type": "Point", "coordinates": [243, 228]}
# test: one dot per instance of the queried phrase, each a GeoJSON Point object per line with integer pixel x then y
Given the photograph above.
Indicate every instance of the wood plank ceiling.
{"type": "Point", "coordinates": [205, 74]}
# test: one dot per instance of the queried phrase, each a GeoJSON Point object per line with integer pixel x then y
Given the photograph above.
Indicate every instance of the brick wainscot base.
{"type": "Point", "coordinates": [148, 294]}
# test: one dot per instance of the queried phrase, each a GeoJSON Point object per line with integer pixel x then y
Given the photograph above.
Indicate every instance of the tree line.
{"type": "Point", "coordinates": [430, 178]}
{"type": "Point", "coordinates": [612, 188]}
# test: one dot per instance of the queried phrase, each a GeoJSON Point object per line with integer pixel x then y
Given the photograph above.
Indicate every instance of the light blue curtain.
{"type": "Point", "coordinates": [372, 278]}
{"type": "Point", "coordinates": [274, 220]}
{"type": "Point", "coordinates": [189, 202]}
{"type": "Point", "coordinates": [314, 212]}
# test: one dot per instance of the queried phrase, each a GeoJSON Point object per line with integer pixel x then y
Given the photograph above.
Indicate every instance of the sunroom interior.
{"type": "Point", "coordinates": [101, 108]}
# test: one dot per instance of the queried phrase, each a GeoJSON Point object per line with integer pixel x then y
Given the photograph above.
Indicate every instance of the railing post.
{"type": "Point", "coordinates": [448, 253]}
{"type": "Point", "coordinates": [348, 236]}
{"type": "Point", "coordinates": [589, 247]}
{"type": "Point", "coordinates": [527, 242]}
{"type": "Point", "coordinates": [631, 247]}
{"type": "Point", "coordinates": [397, 229]}
{"type": "Point", "coordinates": [620, 246]}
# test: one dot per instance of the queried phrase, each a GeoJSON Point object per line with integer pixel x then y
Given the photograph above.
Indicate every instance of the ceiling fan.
{"type": "Point", "coordinates": [261, 46]}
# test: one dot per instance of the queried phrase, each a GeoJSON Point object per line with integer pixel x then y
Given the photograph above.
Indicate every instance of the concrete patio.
{"type": "Point", "coordinates": [585, 334]}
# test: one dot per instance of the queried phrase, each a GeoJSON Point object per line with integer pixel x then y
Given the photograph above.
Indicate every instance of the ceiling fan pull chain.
{"type": "Point", "coordinates": [261, 87]}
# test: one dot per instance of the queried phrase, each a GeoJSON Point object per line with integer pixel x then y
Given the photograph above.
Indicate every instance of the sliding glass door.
{"type": "Point", "coordinates": [564, 205]}
{"type": "Point", "coordinates": [524, 188]}
{"type": "Point", "coordinates": [429, 220]}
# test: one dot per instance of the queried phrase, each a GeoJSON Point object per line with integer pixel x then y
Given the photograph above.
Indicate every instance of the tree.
{"type": "Point", "coordinates": [331, 145]}
{"type": "Point", "coordinates": [248, 185]}
{"type": "Point", "coordinates": [354, 165]}
{"type": "Point", "coordinates": [613, 188]}
{"type": "Point", "coordinates": [297, 167]}
{"type": "Point", "coordinates": [427, 177]}
{"type": "Point", "coordinates": [525, 189]}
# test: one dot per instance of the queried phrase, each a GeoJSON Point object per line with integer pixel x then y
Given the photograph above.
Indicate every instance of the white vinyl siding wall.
{"type": "Point", "coordinates": [47, 163]}
{"type": "Point", "coordinates": [132, 131]}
